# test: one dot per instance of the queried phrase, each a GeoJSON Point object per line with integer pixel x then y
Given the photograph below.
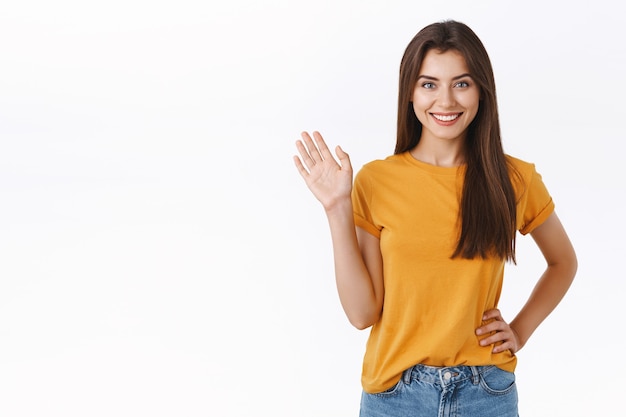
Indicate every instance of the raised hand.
{"type": "Point", "coordinates": [329, 181]}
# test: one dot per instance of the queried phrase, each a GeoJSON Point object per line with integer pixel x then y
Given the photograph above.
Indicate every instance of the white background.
{"type": "Point", "coordinates": [159, 253]}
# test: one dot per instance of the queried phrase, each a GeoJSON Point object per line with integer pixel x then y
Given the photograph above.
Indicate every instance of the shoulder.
{"type": "Point", "coordinates": [378, 174]}
{"type": "Point", "coordinates": [520, 170]}
{"type": "Point", "coordinates": [524, 177]}
{"type": "Point", "coordinates": [381, 166]}
{"type": "Point", "coordinates": [520, 165]}
{"type": "Point", "coordinates": [390, 162]}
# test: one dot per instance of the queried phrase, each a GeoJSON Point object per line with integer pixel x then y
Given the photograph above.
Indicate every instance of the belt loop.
{"type": "Point", "coordinates": [406, 375]}
{"type": "Point", "coordinates": [475, 375]}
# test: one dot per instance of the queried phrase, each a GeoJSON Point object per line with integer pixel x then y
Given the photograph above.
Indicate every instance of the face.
{"type": "Point", "coordinates": [446, 98]}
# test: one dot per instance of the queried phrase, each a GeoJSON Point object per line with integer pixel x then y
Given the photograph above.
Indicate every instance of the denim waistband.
{"type": "Point", "coordinates": [445, 376]}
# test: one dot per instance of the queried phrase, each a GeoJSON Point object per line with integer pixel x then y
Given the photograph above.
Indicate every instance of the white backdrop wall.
{"type": "Point", "coordinates": [160, 255]}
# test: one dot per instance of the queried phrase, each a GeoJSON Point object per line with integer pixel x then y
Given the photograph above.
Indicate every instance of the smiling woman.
{"type": "Point", "coordinates": [421, 239]}
{"type": "Point", "coordinates": [445, 101]}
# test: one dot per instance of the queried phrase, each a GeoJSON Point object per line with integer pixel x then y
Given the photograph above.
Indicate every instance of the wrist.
{"type": "Point", "coordinates": [520, 336]}
{"type": "Point", "coordinates": [340, 206]}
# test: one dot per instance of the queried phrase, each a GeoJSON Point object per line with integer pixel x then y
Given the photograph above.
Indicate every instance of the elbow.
{"type": "Point", "coordinates": [566, 267]}
{"type": "Point", "coordinates": [363, 322]}
{"type": "Point", "coordinates": [360, 325]}
{"type": "Point", "coordinates": [572, 265]}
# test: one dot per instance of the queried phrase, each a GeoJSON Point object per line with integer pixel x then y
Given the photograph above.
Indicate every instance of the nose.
{"type": "Point", "coordinates": [446, 97]}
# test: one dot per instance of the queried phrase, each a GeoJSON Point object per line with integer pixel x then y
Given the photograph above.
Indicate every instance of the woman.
{"type": "Point", "coordinates": [421, 239]}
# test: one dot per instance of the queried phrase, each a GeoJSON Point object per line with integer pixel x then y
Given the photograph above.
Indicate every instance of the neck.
{"type": "Point", "coordinates": [443, 154]}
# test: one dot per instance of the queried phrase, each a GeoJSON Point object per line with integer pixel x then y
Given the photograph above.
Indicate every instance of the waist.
{"type": "Point", "coordinates": [445, 375]}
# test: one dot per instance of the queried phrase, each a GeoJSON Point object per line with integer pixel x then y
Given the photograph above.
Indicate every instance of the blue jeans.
{"type": "Point", "coordinates": [458, 391]}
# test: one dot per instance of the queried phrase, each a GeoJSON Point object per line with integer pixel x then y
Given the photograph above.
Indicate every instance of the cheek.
{"type": "Point", "coordinates": [421, 102]}
{"type": "Point", "coordinates": [471, 103]}
{"type": "Point", "coordinates": [419, 110]}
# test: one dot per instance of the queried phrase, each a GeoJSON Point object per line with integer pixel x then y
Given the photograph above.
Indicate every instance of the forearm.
{"type": "Point", "coordinates": [546, 295]}
{"type": "Point", "coordinates": [360, 299]}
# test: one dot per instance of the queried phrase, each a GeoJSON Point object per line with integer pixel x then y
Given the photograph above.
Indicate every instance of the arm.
{"type": "Point", "coordinates": [560, 257]}
{"type": "Point", "coordinates": [358, 262]}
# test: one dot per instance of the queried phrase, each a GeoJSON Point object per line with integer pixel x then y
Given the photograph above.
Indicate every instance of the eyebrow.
{"type": "Point", "coordinates": [428, 77]}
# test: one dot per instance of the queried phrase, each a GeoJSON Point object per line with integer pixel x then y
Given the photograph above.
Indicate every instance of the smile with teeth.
{"type": "Point", "coordinates": [446, 117]}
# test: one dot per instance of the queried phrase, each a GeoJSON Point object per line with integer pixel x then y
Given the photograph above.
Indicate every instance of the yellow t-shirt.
{"type": "Point", "coordinates": [432, 304]}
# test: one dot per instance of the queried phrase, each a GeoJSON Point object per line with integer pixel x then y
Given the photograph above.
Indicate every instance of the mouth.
{"type": "Point", "coordinates": [446, 118]}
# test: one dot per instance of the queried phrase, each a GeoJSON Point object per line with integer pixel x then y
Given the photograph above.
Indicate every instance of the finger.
{"type": "Point", "coordinates": [301, 169]}
{"type": "Point", "coordinates": [508, 345]}
{"type": "Point", "coordinates": [312, 149]}
{"type": "Point", "coordinates": [494, 326]}
{"type": "Point", "coordinates": [321, 145]}
{"type": "Point", "coordinates": [492, 314]}
{"type": "Point", "coordinates": [499, 337]}
{"type": "Point", "coordinates": [304, 154]}
{"type": "Point", "coordinates": [344, 158]}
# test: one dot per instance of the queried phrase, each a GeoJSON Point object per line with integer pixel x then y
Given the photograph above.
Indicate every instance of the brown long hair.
{"type": "Point", "coordinates": [488, 207]}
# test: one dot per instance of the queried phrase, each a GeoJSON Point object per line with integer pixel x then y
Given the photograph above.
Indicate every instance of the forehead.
{"type": "Point", "coordinates": [448, 64]}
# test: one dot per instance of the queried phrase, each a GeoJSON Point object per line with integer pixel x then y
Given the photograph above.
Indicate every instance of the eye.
{"type": "Point", "coordinates": [462, 84]}
{"type": "Point", "coordinates": [428, 85]}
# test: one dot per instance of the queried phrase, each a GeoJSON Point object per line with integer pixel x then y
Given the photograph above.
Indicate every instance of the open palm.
{"type": "Point", "coordinates": [329, 181]}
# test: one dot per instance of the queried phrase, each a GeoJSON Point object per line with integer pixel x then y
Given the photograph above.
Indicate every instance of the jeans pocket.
{"type": "Point", "coordinates": [394, 390]}
{"type": "Point", "coordinates": [497, 381]}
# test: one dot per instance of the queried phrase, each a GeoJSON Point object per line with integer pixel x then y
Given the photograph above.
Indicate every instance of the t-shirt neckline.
{"type": "Point", "coordinates": [434, 169]}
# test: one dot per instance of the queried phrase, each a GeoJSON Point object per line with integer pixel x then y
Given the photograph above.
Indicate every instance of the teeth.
{"type": "Point", "coordinates": [448, 118]}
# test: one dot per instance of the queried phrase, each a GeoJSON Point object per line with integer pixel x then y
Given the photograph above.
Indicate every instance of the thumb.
{"type": "Point", "coordinates": [344, 158]}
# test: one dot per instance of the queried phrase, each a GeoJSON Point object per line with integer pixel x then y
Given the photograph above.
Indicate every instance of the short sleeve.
{"type": "Point", "coordinates": [362, 203]}
{"type": "Point", "coordinates": [536, 204]}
